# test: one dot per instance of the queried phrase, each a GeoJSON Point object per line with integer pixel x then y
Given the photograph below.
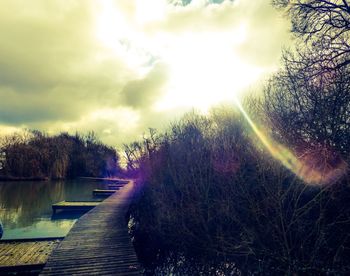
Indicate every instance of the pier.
{"type": "Point", "coordinates": [98, 243]}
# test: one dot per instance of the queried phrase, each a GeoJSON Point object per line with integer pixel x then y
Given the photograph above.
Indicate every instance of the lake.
{"type": "Point", "coordinates": [25, 206]}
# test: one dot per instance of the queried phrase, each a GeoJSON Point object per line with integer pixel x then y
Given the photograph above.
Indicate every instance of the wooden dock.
{"type": "Point", "coordinates": [115, 186]}
{"type": "Point", "coordinates": [99, 192]}
{"type": "Point", "coordinates": [98, 243]}
{"type": "Point", "coordinates": [109, 180]}
{"type": "Point", "coordinates": [74, 206]}
{"type": "Point", "coordinates": [25, 255]}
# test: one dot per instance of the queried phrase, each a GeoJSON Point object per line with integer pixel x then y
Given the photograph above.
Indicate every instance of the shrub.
{"type": "Point", "coordinates": [212, 198]}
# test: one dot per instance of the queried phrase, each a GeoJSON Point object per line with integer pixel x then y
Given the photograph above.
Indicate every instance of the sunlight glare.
{"type": "Point", "coordinates": [110, 25]}
{"type": "Point", "coordinates": [204, 68]}
{"type": "Point", "coordinates": [148, 11]}
{"type": "Point", "coordinates": [311, 169]}
{"type": "Point", "coordinates": [117, 36]}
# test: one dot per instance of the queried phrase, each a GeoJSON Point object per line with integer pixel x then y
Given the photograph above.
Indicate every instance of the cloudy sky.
{"type": "Point", "coordinates": [120, 66]}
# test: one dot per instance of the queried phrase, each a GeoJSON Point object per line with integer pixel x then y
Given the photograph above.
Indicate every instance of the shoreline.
{"type": "Point", "coordinates": [14, 178]}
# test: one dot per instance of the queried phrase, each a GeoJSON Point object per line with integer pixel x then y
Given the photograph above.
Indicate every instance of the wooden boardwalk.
{"type": "Point", "coordinates": [98, 243]}
{"type": "Point", "coordinates": [26, 254]}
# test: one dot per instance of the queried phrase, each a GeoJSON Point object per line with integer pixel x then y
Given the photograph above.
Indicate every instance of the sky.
{"type": "Point", "coordinates": [119, 67]}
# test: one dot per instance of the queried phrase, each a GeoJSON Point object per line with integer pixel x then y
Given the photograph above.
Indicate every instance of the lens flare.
{"type": "Point", "coordinates": [317, 167]}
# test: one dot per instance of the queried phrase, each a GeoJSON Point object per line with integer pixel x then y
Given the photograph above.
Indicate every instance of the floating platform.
{"type": "Point", "coordinates": [25, 256]}
{"type": "Point", "coordinates": [98, 192]}
{"type": "Point", "coordinates": [74, 206]}
{"type": "Point", "coordinates": [112, 180]}
{"type": "Point", "coordinates": [115, 186]}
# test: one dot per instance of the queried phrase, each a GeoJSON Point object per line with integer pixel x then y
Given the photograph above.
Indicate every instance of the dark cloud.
{"type": "Point", "coordinates": [144, 92]}
{"type": "Point", "coordinates": [39, 42]}
{"type": "Point", "coordinates": [49, 69]}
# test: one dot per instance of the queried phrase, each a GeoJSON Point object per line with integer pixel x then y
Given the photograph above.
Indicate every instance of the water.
{"type": "Point", "coordinates": [25, 207]}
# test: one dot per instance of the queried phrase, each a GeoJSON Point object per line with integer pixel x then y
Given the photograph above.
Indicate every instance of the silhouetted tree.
{"type": "Point", "coordinates": [310, 113]}
{"type": "Point", "coordinates": [324, 26]}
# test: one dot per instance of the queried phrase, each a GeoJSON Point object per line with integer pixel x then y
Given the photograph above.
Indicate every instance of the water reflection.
{"type": "Point", "coordinates": [1, 231]}
{"type": "Point", "coordinates": [25, 207]}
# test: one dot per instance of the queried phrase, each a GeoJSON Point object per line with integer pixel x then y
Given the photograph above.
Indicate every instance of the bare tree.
{"type": "Point", "coordinates": [324, 25]}
{"type": "Point", "coordinates": [309, 112]}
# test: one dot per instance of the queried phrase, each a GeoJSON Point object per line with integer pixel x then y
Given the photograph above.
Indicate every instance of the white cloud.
{"type": "Point", "coordinates": [119, 67]}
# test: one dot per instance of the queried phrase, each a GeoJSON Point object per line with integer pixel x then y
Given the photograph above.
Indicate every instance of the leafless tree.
{"type": "Point", "coordinates": [309, 113]}
{"type": "Point", "coordinates": [324, 25]}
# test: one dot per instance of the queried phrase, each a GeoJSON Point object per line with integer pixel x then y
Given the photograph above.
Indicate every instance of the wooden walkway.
{"type": "Point", "coordinates": [26, 254]}
{"type": "Point", "coordinates": [98, 243]}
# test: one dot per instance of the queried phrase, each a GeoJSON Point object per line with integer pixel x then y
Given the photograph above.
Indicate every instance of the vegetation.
{"type": "Point", "coordinates": [210, 196]}
{"type": "Point", "coordinates": [33, 154]}
{"type": "Point", "coordinates": [213, 199]}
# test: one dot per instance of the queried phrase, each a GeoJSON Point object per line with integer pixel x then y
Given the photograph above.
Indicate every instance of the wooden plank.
{"type": "Point", "coordinates": [28, 254]}
{"type": "Point", "coordinates": [97, 192]}
{"type": "Point", "coordinates": [74, 205]}
{"type": "Point", "coordinates": [98, 243]}
{"type": "Point", "coordinates": [8, 241]}
{"type": "Point", "coordinates": [77, 203]}
{"type": "Point", "coordinates": [107, 179]}
{"type": "Point", "coordinates": [115, 186]}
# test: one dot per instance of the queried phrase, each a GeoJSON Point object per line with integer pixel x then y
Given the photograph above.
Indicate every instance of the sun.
{"type": "Point", "coordinates": [204, 67]}
{"type": "Point", "coordinates": [205, 70]}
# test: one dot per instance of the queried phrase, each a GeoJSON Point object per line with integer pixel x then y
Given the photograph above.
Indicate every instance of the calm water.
{"type": "Point", "coordinates": [25, 207]}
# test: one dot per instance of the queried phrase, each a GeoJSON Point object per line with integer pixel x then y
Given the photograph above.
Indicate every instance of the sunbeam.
{"type": "Point", "coordinates": [313, 168]}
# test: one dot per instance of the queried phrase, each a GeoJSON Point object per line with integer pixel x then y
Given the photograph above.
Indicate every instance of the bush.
{"type": "Point", "coordinates": [211, 197]}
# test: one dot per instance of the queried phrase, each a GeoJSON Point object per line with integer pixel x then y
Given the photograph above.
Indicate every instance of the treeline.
{"type": "Point", "coordinates": [214, 200]}
{"type": "Point", "coordinates": [33, 154]}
